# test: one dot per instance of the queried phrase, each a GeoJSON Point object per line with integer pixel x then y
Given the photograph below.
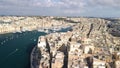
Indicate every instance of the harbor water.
{"type": "Point", "coordinates": [15, 48]}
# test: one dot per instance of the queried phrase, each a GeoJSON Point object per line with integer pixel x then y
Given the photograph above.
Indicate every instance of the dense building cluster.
{"type": "Point", "coordinates": [88, 45]}
{"type": "Point", "coordinates": [10, 24]}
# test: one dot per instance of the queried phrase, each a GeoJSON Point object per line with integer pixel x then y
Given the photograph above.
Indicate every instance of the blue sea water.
{"type": "Point", "coordinates": [15, 49]}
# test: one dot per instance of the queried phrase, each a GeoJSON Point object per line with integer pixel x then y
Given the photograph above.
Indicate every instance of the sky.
{"type": "Point", "coordinates": [93, 8]}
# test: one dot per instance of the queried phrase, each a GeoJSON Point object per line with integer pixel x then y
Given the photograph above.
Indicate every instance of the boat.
{"type": "Point", "coordinates": [16, 49]}
{"type": "Point", "coordinates": [34, 39]}
{"type": "Point", "coordinates": [40, 30]}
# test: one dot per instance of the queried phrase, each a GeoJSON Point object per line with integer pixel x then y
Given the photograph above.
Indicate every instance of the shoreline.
{"type": "Point", "coordinates": [33, 53]}
{"type": "Point", "coordinates": [46, 30]}
{"type": "Point", "coordinates": [22, 24]}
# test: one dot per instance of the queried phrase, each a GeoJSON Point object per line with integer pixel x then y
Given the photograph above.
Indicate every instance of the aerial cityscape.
{"type": "Point", "coordinates": [59, 34]}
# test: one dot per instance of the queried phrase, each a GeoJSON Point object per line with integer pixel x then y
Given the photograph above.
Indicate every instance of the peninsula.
{"type": "Point", "coordinates": [92, 43]}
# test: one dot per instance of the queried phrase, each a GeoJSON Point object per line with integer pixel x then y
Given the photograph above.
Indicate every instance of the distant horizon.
{"type": "Point", "coordinates": [58, 16]}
